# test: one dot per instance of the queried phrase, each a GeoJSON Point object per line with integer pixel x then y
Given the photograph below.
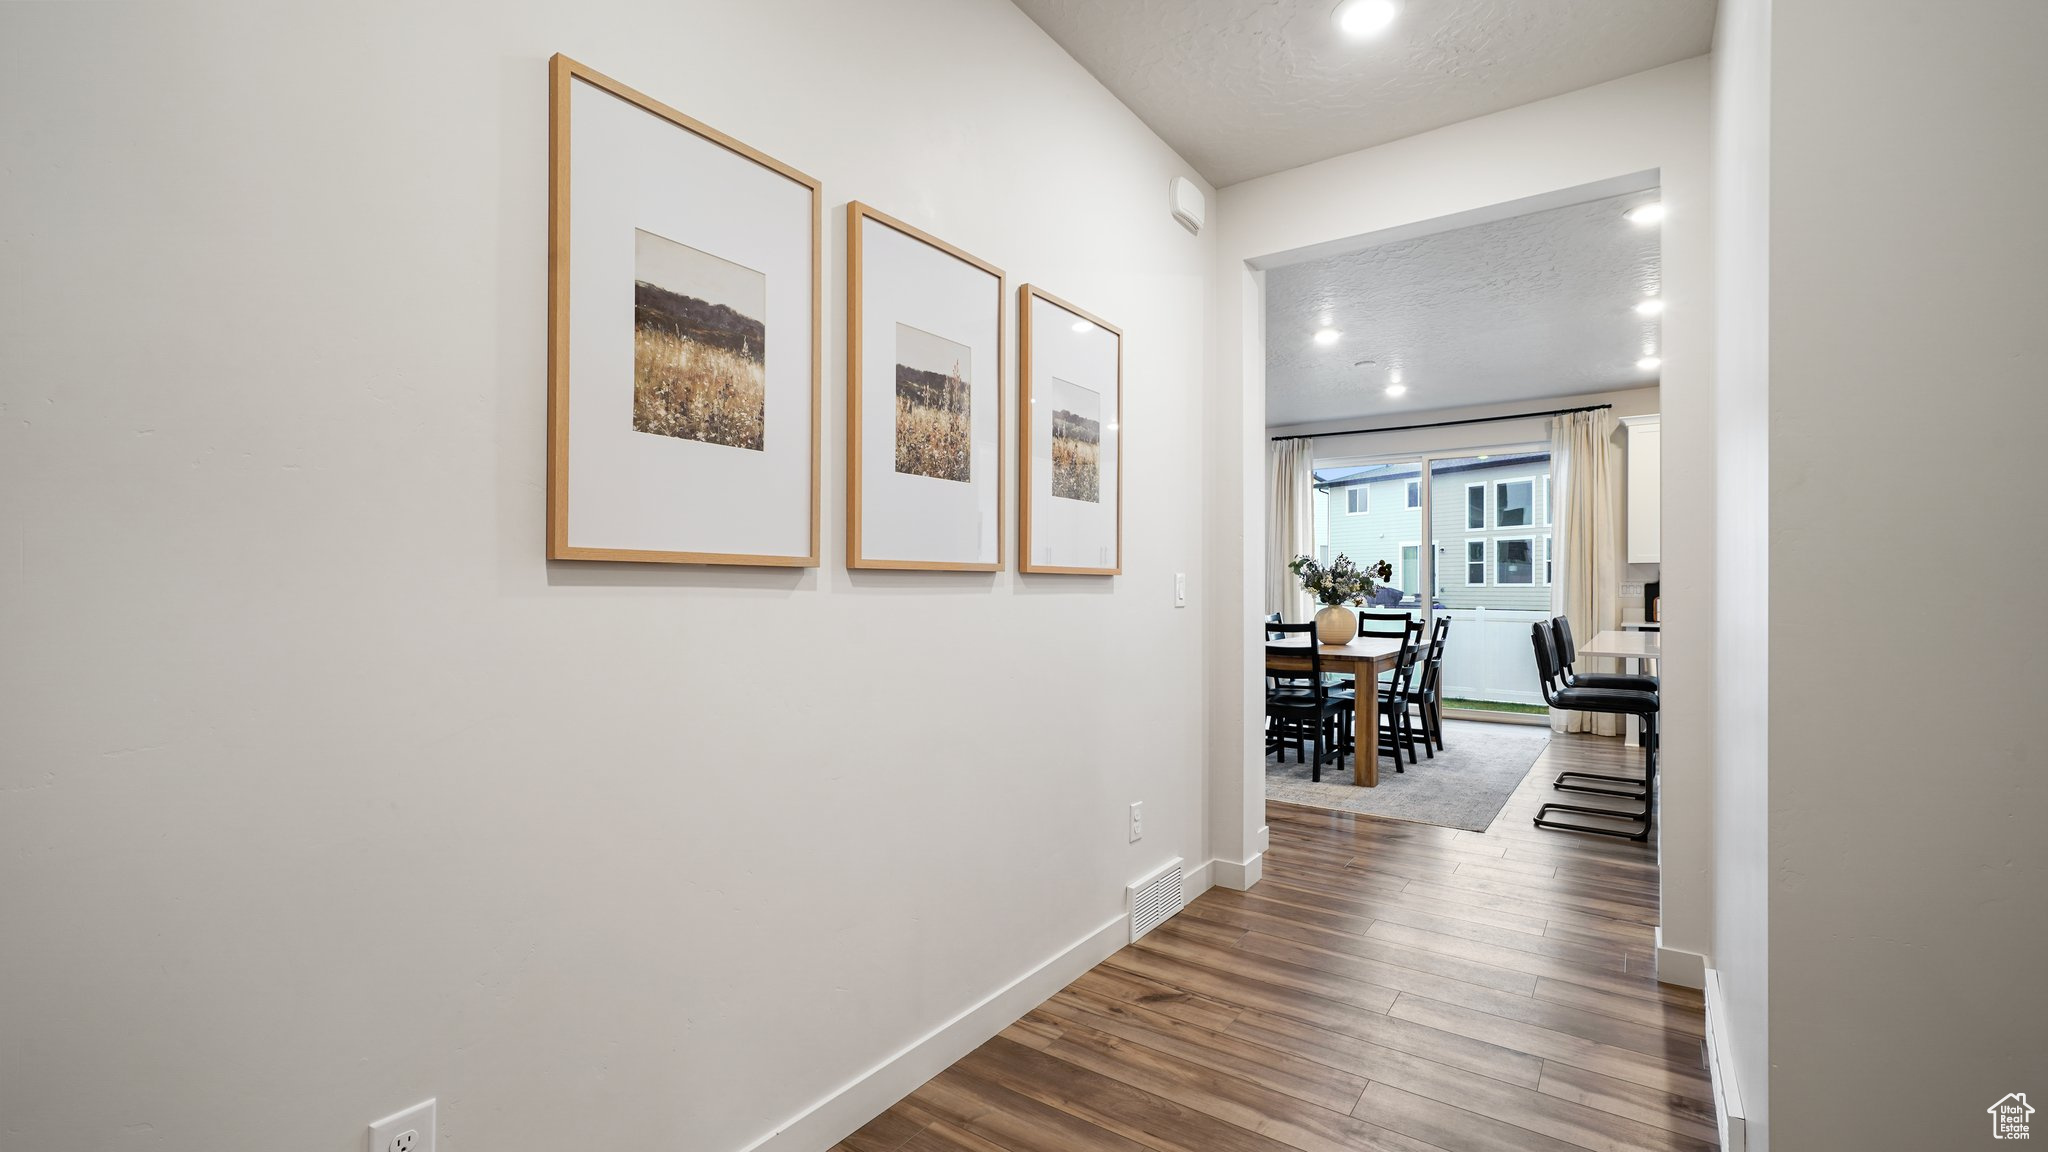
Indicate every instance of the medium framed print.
{"type": "Point", "coordinates": [1070, 482]}
{"type": "Point", "coordinates": [685, 300]}
{"type": "Point", "coordinates": [924, 400]}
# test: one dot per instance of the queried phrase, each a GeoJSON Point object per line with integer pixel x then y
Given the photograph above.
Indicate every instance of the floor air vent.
{"type": "Point", "coordinates": [1157, 897]}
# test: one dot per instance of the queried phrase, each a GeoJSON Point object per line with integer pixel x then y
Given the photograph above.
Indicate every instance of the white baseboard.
{"type": "Point", "coordinates": [838, 1115]}
{"type": "Point", "coordinates": [1676, 966]}
{"type": "Point", "coordinates": [1238, 877]}
{"type": "Point", "coordinates": [1729, 1115]}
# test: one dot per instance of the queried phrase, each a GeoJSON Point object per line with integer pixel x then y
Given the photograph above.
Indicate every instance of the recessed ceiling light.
{"type": "Point", "coordinates": [1084, 326]}
{"type": "Point", "coordinates": [1362, 18]}
{"type": "Point", "coordinates": [1649, 363]}
{"type": "Point", "coordinates": [1650, 307]}
{"type": "Point", "coordinates": [1649, 213]}
{"type": "Point", "coordinates": [1327, 336]}
{"type": "Point", "coordinates": [1397, 389]}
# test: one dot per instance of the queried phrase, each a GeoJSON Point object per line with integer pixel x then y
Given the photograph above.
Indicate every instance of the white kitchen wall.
{"type": "Point", "coordinates": [322, 792]}
{"type": "Point", "coordinates": [1655, 123]}
{"type": "Point", "coordinates": [1908, 866]}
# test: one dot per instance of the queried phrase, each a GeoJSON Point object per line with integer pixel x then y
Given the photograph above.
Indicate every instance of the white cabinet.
{"type": "Point", "coordinates": [1645, 488]}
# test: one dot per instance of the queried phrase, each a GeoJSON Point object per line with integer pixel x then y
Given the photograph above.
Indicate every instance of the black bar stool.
{"type": "Point", "coordinates": [1614, 701]}
{"type": "Point", "coordinates": [1568, 675]}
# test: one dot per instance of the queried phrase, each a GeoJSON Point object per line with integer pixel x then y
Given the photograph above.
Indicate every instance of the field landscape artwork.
{"type": "Point", "coordinates": [934, 406]}
{"type": "Point", "coordinates": [1076, 442]}
{"type": "Point", "coordinates": [699, 357]}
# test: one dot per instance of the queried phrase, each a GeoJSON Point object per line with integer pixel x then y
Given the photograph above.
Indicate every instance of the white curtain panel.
{"type": "Point", "coordinates": [1290, 523]}
{"type": "Point", "coordinates": [1588, 591]}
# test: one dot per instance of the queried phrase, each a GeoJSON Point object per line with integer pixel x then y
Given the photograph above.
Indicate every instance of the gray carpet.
{"type": "Point", "coordinates": [1464, 787]}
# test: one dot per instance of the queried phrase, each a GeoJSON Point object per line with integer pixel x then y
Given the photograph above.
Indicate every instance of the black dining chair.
{"type": "Point", "coordinates": [1429, 688]}
{"type": "Point", "coordinates": [1309, 713]}
{"type": "Point", "coordinates": [1388, 624]}
{"type": "Point", "coordinates": [1614, 701]}
{"type": "Point", "coordinates": [1395, 695]}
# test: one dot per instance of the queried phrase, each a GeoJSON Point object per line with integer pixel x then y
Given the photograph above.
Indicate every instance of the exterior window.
{"type": "Point", "coordinates": [1548, 575]}
{"type": "Point", "coordinates": [1415, 494]}
{"type": "Point", "coordinates": [1475, 507]}
{"type": "Point", "coordinates": [1543, 500]}
{"type": "Point", "coordinates": [1475, 562]}
{"type": "Point", "coordinates": [1514, 504]}
{"type": "Point", "coordinates": [1514, 561]}
{"type": "Point", "coordinates": [1354, 500]}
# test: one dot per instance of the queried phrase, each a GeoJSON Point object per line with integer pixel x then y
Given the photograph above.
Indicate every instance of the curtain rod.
{"type": "Point", "coordinates": [1449, 423]}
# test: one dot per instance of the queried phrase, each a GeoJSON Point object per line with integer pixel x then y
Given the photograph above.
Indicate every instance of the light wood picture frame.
{"type": "Point", "coordinates": [925, 446]}
{"type": "Point", "coordinates": [685, 337]}
{"type": "Point", "coordinates": [1070, 500]}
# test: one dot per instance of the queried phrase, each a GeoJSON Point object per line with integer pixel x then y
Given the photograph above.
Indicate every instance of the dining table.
{"type": "Point", "coordinates": [1637, 650]}
{"type": "Point", "coordinates": [1364, 658]}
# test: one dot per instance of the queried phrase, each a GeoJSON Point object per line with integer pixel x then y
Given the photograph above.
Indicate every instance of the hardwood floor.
{"type": "Point", "coordinates": [1387, 985]}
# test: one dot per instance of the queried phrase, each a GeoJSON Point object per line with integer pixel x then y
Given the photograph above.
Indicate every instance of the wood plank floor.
{"type": "Point", "coordinates": [1388, 985]}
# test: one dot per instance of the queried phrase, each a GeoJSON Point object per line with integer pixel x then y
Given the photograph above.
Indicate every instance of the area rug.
{"type": "Point", "coordinates": [1466, 786]}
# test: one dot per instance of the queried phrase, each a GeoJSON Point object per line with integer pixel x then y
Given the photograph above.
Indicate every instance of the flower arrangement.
{"type": "Point", "coordinates": [1343, 581]}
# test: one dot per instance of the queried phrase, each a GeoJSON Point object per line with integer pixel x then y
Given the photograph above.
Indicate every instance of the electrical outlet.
{"type": "Point", "coordinates": [1180, 589]}
{"type": "Point", "coordinates": [1137, 821]}
{"type": "Point", "coordinates": [1631, 591]}
{"type": "Point", "coordinates": [409, 1131]}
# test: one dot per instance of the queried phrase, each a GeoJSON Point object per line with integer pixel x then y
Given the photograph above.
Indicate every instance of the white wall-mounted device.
{"type": "Point", "coordinates": [1187, 203]}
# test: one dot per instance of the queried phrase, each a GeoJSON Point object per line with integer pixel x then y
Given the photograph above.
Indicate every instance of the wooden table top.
{"type": "Point", "coordinates": [1625, 645]}
{"type": "Point", "coordinates": [1362, 648]}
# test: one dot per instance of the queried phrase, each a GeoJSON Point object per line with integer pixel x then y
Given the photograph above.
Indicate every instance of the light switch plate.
{"type": "Point", "coordinates": [1180, 589]}
{"type": "Point", "coordinates": [409, 1131]}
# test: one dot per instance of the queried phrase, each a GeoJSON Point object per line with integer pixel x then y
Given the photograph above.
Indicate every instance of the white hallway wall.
{"type": "Point", "coordinates": [322, 792]}
{"type": "Point", "coordinates": [1742, 688]}
{"type": "Point", "coordinates": [1908, 865]}
{"type": "Point", "coordinates": [1653, 120]}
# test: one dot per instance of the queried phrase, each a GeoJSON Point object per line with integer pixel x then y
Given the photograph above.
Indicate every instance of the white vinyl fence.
{"type": "Point", "coordinates": [1488, 656]}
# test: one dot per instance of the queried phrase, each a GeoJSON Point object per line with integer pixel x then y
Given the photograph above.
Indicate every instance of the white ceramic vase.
{"type": "Point", "coordinates": [1336, 624]}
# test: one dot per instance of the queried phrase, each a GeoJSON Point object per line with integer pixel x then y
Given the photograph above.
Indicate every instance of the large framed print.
{"type": "Point", "coordinates": [1070, 492]}
{"type": "Point", "coordinates": [685, 300]}
{"type": "Point", "coordinates": [924, 400]}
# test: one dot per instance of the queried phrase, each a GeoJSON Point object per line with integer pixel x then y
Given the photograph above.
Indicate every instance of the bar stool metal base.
{"type": "Point", "coordinates": [1641, 834]}
{"type": "Point", "coordinates": [1635, 787]}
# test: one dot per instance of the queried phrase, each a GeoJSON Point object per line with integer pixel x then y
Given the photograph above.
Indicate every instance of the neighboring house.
{"type": "Point", "coordinates": [1493, 531]}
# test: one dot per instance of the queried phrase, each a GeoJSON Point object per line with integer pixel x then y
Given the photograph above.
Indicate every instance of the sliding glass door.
{"type": "Point", "coordinates": [1489, 567]}
{"type": "Point", "coordinates": [1373, 512]}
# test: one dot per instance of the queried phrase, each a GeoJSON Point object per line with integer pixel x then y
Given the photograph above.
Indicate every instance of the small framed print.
{"type": "Point", "coordinates": [685, 300]}
{"type": "Point", "coordinates": [1070, 480]}
{"type": "Point", "coordinates": [924, 400]}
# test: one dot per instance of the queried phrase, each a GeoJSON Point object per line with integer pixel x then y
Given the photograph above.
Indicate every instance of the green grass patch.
{"type": "Point", "coordinates": [1495, 706]}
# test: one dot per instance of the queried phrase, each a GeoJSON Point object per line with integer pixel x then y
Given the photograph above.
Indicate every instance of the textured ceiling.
{"type": "Point", "coordinates": [1242, 88]}
{"type": "Point", "coordinates": [1528, 307]}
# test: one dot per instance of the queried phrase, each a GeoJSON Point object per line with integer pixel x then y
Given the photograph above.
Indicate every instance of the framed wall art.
{"type": "Point", "coordinates": [924, 400]}
{"type": "Point", "coordinates": [685, 301]}
{"type": "Point", "coordinates": [1070, 481]}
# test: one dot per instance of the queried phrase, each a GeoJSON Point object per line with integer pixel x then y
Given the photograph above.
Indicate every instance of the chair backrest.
{"type": "Point", "coordinates": [1401, 682]}
{"type": "Point", "coordinates": [1433, 656]}
{"type": "Point", "coordinates": [1567, 652]}
{"type": "Point", "coordinates": [1313, 650]}
{"type": "Point", "coordinates": [1388, 624]}
{"type": "Point", "coordinates": [1272, 618]}
{"type": "Point", "coordinates": [1544, 638]}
